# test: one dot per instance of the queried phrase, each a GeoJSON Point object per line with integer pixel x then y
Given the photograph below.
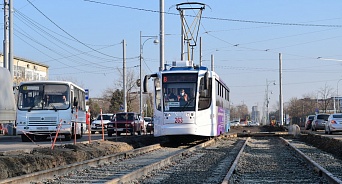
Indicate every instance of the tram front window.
{"type": "Point", "coordinates": [179, 98]}
{"type": "Point", "coordinates": [179, 91]}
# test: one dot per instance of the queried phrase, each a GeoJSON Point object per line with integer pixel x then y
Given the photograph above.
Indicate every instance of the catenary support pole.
{"type": "Point", "coordinates": [124, 75]}
{"type": "Point", "coordinates": [281, 108]}
{"type": "Point", "coordinates": [161, 67]}
{"type": "Point", "coordinates": [212, 62]}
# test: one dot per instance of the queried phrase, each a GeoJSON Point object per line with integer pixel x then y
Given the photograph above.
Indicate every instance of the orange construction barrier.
{"type": "Point", "coordinates": [88, 125]}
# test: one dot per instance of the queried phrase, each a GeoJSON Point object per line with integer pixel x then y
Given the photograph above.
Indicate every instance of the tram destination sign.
{"type": "Point", "coordinates": [180, 77]}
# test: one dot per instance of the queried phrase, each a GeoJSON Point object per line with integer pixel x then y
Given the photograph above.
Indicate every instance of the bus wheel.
{"type": "Point", "coordinates": [79, 136]}
{"type": "Point", "coordinates": [24, 138]}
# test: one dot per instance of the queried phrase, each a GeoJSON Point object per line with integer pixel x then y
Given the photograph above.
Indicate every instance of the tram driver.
{"type": "Point", "coordinates": [183, 96]}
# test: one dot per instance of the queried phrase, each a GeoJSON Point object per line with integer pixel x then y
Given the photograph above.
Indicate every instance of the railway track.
{"type": "Point", "coordinates": [276, 160]}
{"type": "Point", "coordinates": [221, 160]}
{"type": "Point", "coordinates": [116, 168]}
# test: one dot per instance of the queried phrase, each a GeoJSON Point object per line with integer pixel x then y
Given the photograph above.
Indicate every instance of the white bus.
{"type": "Point", "coordinates": [189, 100]}
{"type": "Point", "coordinates": [43, 107]}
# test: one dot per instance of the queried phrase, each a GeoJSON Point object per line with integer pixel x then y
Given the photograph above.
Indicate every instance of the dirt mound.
{"type": "Point", "coordinates": [16, 163]}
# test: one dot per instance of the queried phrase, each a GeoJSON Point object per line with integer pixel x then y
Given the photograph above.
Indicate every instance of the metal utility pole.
{"type": "Point", "coordinates": [212, 62]}
{"type": "Point", "coordinates": [124, 74]}
{"type": "Point", "coordinates": [10, 59]}
{"type": "Point", "coordinates": [200, 56]}
{"type": "Point", "coordinates": [161, 67]}
{"type": "Point", "coordinates": [140, 78]}
{"type": "Point", "coordinates": [338, 98]}
{"type": "Point", "coordinates": [281, 108]}
{"type": "Point", "coordinates": [267, 100]}
{"type": "Point", "coordinates": [6, 34]}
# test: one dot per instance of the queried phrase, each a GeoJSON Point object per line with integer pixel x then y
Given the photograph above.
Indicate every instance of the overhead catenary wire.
{"type": "Point", "coordinates": [218, 18]}
{"type": "Point", "coordinates": [69, 33]}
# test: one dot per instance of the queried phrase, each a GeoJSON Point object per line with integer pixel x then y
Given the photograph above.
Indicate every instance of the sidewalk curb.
{"type": "Point", "coordinates": [8, 137]}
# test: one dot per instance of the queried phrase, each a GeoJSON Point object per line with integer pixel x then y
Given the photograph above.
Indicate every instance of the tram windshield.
{"type": "Point", "coordinates": [179, 92]}
{"type": "Point", "coordinates": [43, 96]}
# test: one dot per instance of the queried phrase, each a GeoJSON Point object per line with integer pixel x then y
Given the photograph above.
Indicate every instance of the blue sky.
{"type": "Point", "coordinates": [245, 38]}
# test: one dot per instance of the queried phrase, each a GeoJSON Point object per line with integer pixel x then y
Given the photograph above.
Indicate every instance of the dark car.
{"type": "Point", "coordinates": [319, 122]}
{"type": "Point", "coordinates": [125, 122]}
{"type": "Point", "coordinates": [308, 122]}
{"type": "Point", "coordinates": [150, 127]}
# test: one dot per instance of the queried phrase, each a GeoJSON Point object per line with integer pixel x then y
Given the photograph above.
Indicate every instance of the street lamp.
{"type": "Point", "coordinates": [140, 59]}
{"type": "Point", "coordinates": [338, 98]}
{"type": "Point", "coordinates": [267, 98]}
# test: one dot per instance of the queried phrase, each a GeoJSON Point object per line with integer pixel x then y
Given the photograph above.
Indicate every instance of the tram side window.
{"type": "Point", "coordinates": [204, 95]}
{"type": "Point", "coordinates": [157, 94]}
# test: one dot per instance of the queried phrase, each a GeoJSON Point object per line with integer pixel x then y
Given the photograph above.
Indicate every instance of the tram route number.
{"type": "Point", "coordinates": [178, 120]}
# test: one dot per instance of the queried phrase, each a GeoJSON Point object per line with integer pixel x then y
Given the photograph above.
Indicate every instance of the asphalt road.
{"type": "Point", "coordinates": [10, 143]}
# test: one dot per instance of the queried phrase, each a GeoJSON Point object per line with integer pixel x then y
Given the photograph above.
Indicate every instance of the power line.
{"type": "Point", "coordinates": [218, 18]}
{"type": "Point", "coordinates": [69, 33]}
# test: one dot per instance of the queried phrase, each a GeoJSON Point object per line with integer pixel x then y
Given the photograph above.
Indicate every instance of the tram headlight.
{"type": "Point", "coordinates": [167, 114]}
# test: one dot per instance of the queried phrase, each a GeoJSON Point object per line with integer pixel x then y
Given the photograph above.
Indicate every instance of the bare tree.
{"type": "Point", "coordinates": [325, 93]}
{"type": "Point", "coordinates": [239, 112]}
{"type": "Point", "coordinates": [131, 87]}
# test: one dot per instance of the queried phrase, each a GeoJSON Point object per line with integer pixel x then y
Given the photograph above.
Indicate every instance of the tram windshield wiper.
{"type": "Point", "coordinates": [187, 103]}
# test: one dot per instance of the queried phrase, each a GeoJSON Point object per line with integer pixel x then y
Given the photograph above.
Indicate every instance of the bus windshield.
{"type": "Point", "coordinates": [179, 92]}
{"type": "Point", "coordinates": [43, 96]}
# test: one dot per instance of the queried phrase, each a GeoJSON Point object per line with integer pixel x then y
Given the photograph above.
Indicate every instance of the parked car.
{"type": "Point", "coordinates": [234, 123]}
{"type": "Point", "coordinates": [147, 120]}
{"type": "Point", "coordinates": [334, 124]}
{"type": "Point", "coordinates": [125, 122]}
{"type": "Point", "coordinates": [253, 123]}
{"type": "Point", "coordinates": [96, 125]}
{"type": "Point", "coordinates": [319, 121]}
{"type": "Point", "coordinates": [308, 122]}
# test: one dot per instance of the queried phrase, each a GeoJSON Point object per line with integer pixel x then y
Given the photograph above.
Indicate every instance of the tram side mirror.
{"type": "Point", "coordinates": [146, 78]}
{"type": "Point", "coordinates": [206, 80]}
{"type": "Point", "coordinates": [145, 83]}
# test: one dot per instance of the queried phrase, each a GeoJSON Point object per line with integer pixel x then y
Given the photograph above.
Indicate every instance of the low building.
{"type": "Point", "coordinates": [27, 70]}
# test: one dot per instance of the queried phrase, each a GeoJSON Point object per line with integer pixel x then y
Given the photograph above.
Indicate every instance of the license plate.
{"type": "Point", "coordinates": [42, 128]}
{"type": "Point", "coordinates": [119, 129]}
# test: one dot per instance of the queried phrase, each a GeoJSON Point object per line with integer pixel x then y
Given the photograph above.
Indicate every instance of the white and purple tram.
{"type": "Point", "coordinates": [189, 100]}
